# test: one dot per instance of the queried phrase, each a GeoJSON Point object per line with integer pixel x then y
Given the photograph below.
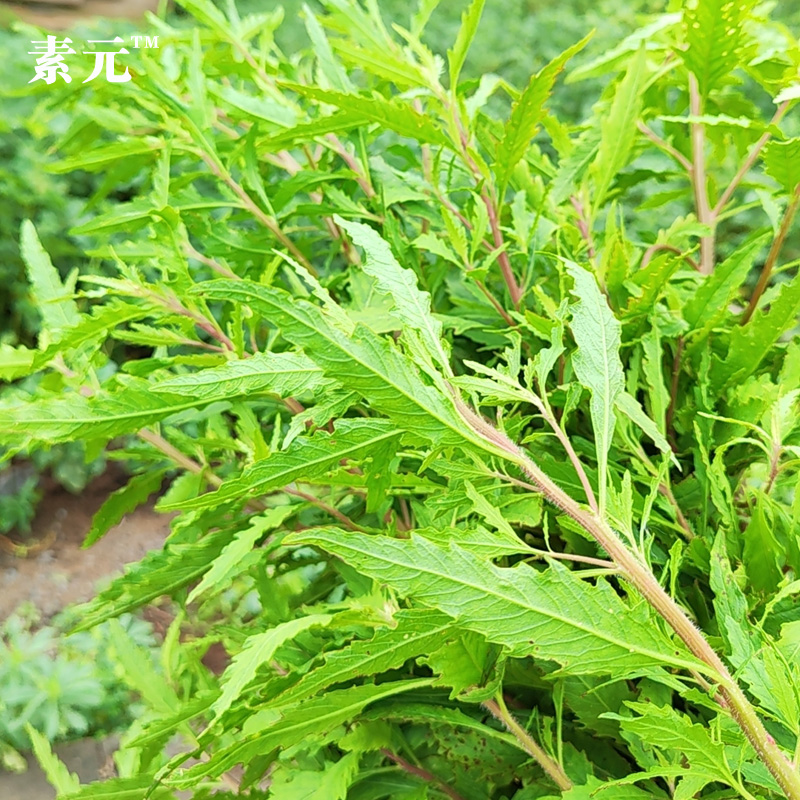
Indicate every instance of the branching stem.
{"type": "Point", "coordinates": [772, 256]}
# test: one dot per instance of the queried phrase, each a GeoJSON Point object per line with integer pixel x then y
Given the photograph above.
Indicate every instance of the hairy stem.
{"type": "Point", "coordinates": [772, 256]}
{"type": "Point", "coordinates": [497, 708]}
{"type": "Point", "coordinates": [699, 181]}
{"type": "Point", "coordinates": [640, 576]}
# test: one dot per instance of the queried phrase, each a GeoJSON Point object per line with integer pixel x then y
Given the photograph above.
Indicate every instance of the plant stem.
{"type": "Point", "coordinates": [665, 146]}
{"type": "Point", "coordinates": [698, 177]}
{"type": "Point", "coordinates": [514, 289]}
{"type": "Point", "coordinates": [267, 221]}
{"type": "Point", "coordinates": [419, 772]}
{"type": "Point", "coordinates": [751, 159]}
{"type": "Point", "coordinates": [655, 248]}
{"type": "Point", "coordinates": [772, 256]}
{"type": "Point", "coordinates": [639, 575]}
{"type": "Point", "coordinates": [497, 708]}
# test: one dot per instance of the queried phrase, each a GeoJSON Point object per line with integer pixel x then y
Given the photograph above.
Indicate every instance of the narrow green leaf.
{"type": "Point", "coordinates": [411, 305]}
{"type": "Point", "coordinates": [414, 633]}
{"type": "Point", "coordinates": [159, 573]}
{"type": "Point", "coordinates": [15, 362]}
{"type": "Point", "coordinates": [104, 415]}
{"type": "Point", "coordinates": [667, 729]}
{"type": "Point", "coordinates": [781, 163]}
{"type": "Point", "coordinates": [716, 36]}
{"type": "Point", "coordinates": [228, 563]}
{"type": "Point", "coordinates": [303, 722]}
{"type": "Point", "coordinates": [633, 410]}
{"type": "Point", "coordinates": [329, 67]}
{"type": "Point", "coordinates": [65, 783]}
{"type": "Point", "coordinates": [122, 502]}
{"type": "Point", "coordinates": [140, 672]}
{"type": "Point", "coordinates": [375, 368]}
{"type": "Point", "coordinates": [466, 33]}
{"type": "Point", "coordinates": [751, 343]}
{"type": "Point", "coordinates": [395, 115]}
{"type": "Point", "coordinates": [596, 361]}
{"type": "Point", "coordinates": [282, 374]}
{"type": "Point", "coordinates": [595, 789]}
{"type": "Point", "coordinates": [618, 128]}
{"type": "Point", "coordinates": [306, 458]}
{"type": "Point", "coordinates": [527, 113]}
{"type": "Point", "coordinates": [124, 789]}
{"type": "Point", "coordinates": [709, 303]}
{"type": "Point", "coordinates": [256, 651]}
{"type": "Point", "coordinates": [552, 615]}
{"type": "Point", "coordinates": [52, 297]}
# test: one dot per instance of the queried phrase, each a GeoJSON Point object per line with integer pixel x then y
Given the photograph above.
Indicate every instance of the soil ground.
{"type": "Point", "coordinates": [57, 16]}
{"type": "Point", "coordinates": [61, 573]}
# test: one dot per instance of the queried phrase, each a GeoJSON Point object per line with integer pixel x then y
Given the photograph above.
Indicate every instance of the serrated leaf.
{"type": "Point", "coordinates": [65, 783]}
{"type": "Point", "coordinates": [414, 633]}
{"type": "Point", "coordinates": [395, 115]}
{"type": "Point", "coordinates": [596, 361]}
{"type": "Point", "coordinates": [715, 37]}
{"type": "Point", "coordinates": [751, 343]}
{"type": "Point", "coordinates": [256, 651]}
{"type": "Point", "coordinates": [282, 374]}
{"type": "Point", "coordinates": [572, 168]}
{"type": "Point", "coordinates": [552, 615]}
{"type": "Point", "coordinates": [124, 789]}
{"type": "Point", "coordinates": [633, 410]}
{"type": "Point", "coordinates": [313, 719]}
{"type": "Point", "coordinates": [159, 573]}
{"type": "Point", "coordinates": [480, 541]}
{"type": "Point", "coordinates": [122, 502]}
{"type": "Point", "coordinates": [306, 458]}
{"type": "Point", "coordinates": [665, 728]}
{"type": "Point", "coordinates": [709, 303]}
{"type": "Point", "coordinates": [53, 300]}
{"type": "Point", "coordinates": [331, 783]}
{"type": "Point", "coordinates": [467, 664]}
{"type": "Point", "coordinates": [411, 305]}
{"type": "Point", "coordinates": [782, 162]}
{"type": "Point", "coordinates": [595, 789]}
{"type": "Point", "coordinates": [15, 362]}
{"type": "Point", "coordinates": [228, 563]}
{"type": "Point", "coordinates": [618, 128]}
{"type": "Point", "coordinates": [328, 65]}
{"type": "Point", "coordinates": [527, 113]}
{"type": "Point", "coordinates": [745, 645]}
{"type": "Point", "coordinates": [466, 33]}
{"type": "Point", "coordinates": [104, 415]}
{"type": "Point", "coordinates": [375, 368]}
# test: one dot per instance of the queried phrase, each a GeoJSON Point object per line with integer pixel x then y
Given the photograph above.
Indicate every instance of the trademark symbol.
{"type": "Point", "coordinates": [145, 42]}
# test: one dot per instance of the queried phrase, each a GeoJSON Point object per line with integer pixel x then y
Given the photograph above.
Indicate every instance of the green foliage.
{"type": "Point", "coordinates": [54, 688]}
{"type": "Point", "coordinates": [487, 481]}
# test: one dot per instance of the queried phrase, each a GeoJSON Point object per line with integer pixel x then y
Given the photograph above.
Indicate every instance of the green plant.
{"type": "Point", "coordinates": [497, 414]}
{"type": "Point", "coordinates": [62, 688]}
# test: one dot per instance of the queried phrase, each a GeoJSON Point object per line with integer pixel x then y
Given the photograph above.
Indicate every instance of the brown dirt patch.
{"type": "Point", "coordinates": [62, 572]}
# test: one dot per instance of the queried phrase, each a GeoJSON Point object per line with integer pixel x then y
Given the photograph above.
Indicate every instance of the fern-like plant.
{"type": "Point", "coordinates": [494, 414]}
